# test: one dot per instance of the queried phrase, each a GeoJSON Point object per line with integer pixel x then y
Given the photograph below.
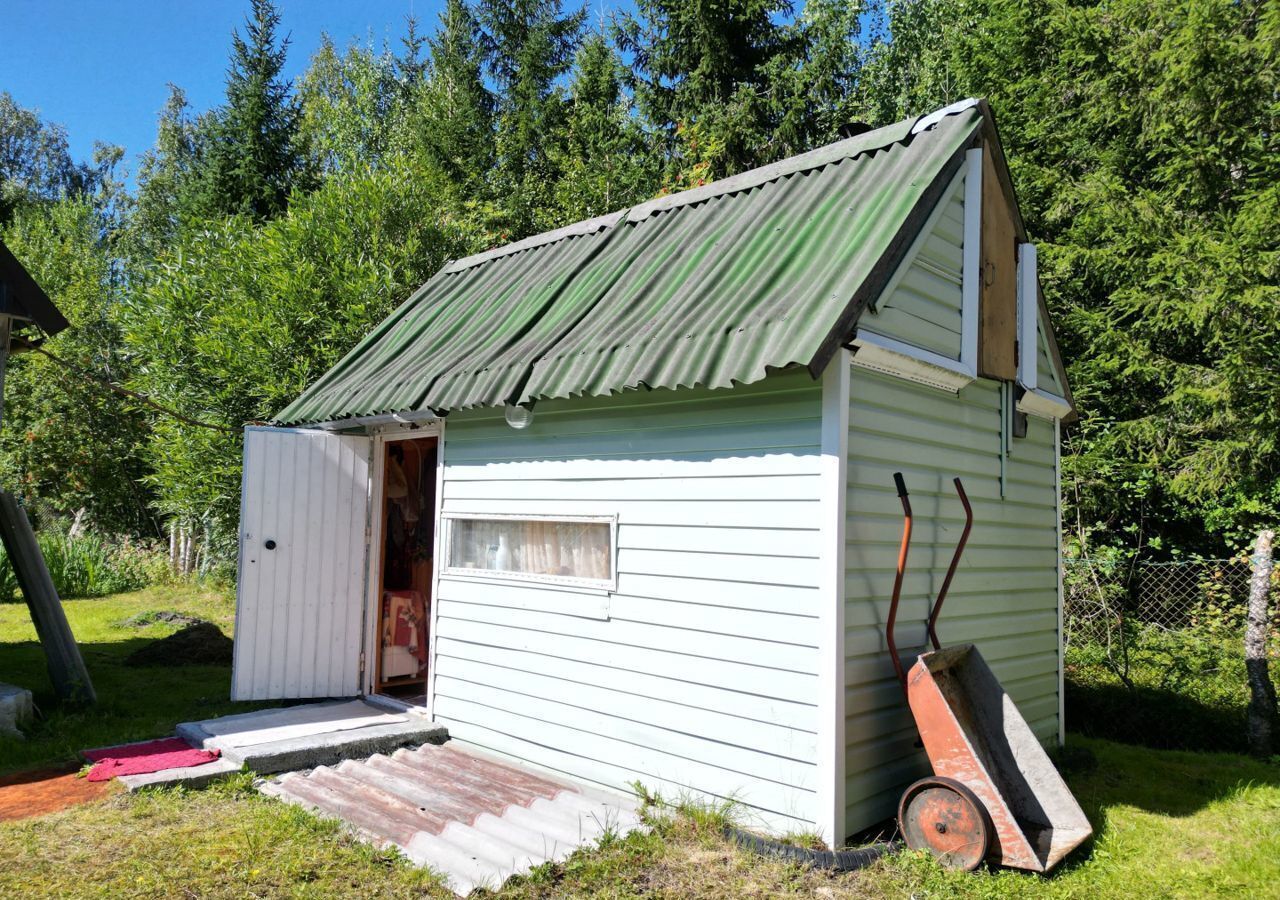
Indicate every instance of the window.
{"type": "Point", "coordinates": [575, 551]}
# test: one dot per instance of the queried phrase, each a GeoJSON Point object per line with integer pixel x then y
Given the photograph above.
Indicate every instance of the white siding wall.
{"type": "Point", "coordinates": [1004, 597]}
{"type": "Point", "coordinates": [921, 304]}
{"type": "Point", "coordinates": [703, 679]}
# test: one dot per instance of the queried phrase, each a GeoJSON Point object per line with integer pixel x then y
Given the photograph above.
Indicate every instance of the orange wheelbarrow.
{"type": "Point", "coordinates": [995, 794]}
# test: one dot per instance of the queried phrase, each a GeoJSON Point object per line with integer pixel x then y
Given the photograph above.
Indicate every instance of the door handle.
{"type": "Point", "coordinates": [270, 545]}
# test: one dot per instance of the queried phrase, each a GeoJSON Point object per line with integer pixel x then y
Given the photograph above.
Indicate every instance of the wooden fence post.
{"type": "Point", "coordinates": [66, 667]}
{"type": "Point", "coordinates": [1262, 693]}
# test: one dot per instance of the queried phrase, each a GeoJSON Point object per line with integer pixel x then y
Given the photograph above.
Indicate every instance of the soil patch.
{"type": "Point", "coordinates": [161, 616]}
{"type": "Point", "coordinates": [43, 791]}
{"type": "Point", "coordinates": [201, 644]}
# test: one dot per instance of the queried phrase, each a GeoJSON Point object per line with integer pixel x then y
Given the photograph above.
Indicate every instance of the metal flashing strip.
{"type": "Point", "coordinates": [892, 357]}
{"type": "Point", "coordinates": [588, 226]}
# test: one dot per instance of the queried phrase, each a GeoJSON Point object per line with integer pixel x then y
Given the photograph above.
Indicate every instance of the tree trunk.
{"type": "Point", "coordinates": [173, 547]}
{"type": "Point", "coordinates": [1262, 693]}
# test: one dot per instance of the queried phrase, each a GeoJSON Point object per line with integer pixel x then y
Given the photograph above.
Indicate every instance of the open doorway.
{"type": "Point", "coordinates": [407, 510]}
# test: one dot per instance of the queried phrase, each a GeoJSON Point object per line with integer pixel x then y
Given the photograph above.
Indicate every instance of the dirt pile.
{"type": "Point", "coordinates": [201, 644]}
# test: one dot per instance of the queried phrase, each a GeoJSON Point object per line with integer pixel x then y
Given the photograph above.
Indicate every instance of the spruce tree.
{"type": "Point", "coordinates": [706, 78]}
{"type": "Point", "coordinates": [451, 122]}
{"type": "Point", "coordinates": [529, 45]}
{"type": "Point", "coordinates": [253, 158]}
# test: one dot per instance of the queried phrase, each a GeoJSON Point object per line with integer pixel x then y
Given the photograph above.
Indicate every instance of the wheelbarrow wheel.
{"type": "Point", "coordinates": [947, 819]}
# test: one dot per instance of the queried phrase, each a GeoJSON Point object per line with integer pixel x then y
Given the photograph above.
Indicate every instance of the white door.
{"type": "Point", "coordinates": [304, 513]}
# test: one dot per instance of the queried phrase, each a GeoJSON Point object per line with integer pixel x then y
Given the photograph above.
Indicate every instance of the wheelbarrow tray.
{"type": "Point", "coordinates": [974, 734]}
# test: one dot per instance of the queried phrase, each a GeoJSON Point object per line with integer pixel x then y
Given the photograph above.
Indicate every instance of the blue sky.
{"type": "Point", "coordinates": [101, 67]}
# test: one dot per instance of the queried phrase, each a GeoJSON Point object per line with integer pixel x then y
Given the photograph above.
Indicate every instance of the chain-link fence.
{"type": "Point", "coordinates": [1098, 597]}
{"type": "Point", "coordinates": [1155, 651]}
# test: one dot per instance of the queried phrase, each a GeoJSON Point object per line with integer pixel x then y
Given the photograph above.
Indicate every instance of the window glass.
{"type": "Point", "coordinates": [534, 547]}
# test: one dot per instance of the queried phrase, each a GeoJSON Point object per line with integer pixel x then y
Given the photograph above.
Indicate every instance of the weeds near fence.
{"type": "Point", "coordinates": [1155, 651]}
{"type": "Point", "coordinates": [91, 565]}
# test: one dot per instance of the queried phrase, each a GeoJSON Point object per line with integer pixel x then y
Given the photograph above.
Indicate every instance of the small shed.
{"type": "Point", "coordinates": [617, 500]}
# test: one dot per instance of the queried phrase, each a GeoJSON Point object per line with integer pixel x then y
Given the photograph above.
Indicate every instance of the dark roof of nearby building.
{"type": "Point", "coordinates": [22, 298]}
{"type": "Point", "coordinates": [712, 287]}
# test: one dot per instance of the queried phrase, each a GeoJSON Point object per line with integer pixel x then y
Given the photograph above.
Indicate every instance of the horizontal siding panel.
{"type": "Point", "coordinates": [767, 737]}
{"type": "Point", "coordinates": [943, 533]}
{"type": "Point", "coordinates": [906, 325]}
{"type": "Point", "coordinates": [764, 487]}
{"type": "Point", "coordinates": [718, 753]}
{"type": "Point", "coordinates": [723, 567]}
{"type": "Point", "coordinates": [593, 763]}
{"type": "Point", "coordinates": [660, 682]}
{"type": "Point", "coordinates": [642, 762]}
{"type": "Point", "coordinates": [728, 674]}
{"type": "Point", "coordinates": [681, 411]}
{"type": "Point", "coordinates": [638, 443]}
{"type": "Point", "coordinates": [923, 304]}
{"type": "Point", "coordinates": [747, 513]}
{"type": "Point", "coordinates": [701, 674]}
{"type": "Point", "coordinates": [764, 597]}
{"type": "Point", "coordinates": [958, 604]}
{"type": "Point", "coordinates": [619, 632]}
{"type": "Point", "coordinates": [692, 464]}
{"type": "Point", "coordinates": [531, 597]}
{"type": "Point", "coordinates": [761, 626]}
{"type": "Point", "coordinates": [961, 629]}
{"type": "Point", "coordinates": [709, 539]}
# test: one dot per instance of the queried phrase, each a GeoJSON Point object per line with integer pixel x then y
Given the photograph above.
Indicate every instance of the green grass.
{"type": "Point", "coordinates": [133, 703]}
{"type": "Point", "coordinates": [1169, 824]}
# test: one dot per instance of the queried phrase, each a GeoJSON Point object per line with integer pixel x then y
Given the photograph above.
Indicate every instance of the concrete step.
{"type": "Point", "coordinates": [186, 776]}
{"type": "Point", "coordinates": [309, 735]}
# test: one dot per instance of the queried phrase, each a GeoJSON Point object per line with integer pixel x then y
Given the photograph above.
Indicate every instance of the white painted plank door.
{"type": "Point", "coordinates": [304, 511]}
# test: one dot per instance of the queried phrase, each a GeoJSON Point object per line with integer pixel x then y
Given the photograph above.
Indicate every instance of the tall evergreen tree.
{"type": "Point", "coordinates": [529, 45]}
{"type": "Point", "coordinates": [601, 157]}
{"type": "Point", "coordinates": [253, 158]}
{"type": "Point", "coordinates": [1143, 145]}
{"type": "Point", "coordinates": [451, 120]}
{"type": "Point", "coordinates": [706, 77]}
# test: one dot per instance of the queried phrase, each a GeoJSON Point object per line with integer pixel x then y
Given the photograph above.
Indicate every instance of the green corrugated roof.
{"type": "Point", "coordinates": [708, 287]}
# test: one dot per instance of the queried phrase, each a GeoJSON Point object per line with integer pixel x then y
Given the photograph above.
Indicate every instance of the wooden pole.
{"type": "Point", "coordinates": [1262, 724]}
{"type": "Point", "coordinates": [66, 667]}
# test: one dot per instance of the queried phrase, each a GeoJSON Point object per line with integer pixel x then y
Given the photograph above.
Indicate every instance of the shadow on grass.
{"type": "Point", "coordinates": [1155, 717]}
{"type": "Point", "coordinates": [1165, 782]}
{"type": "Point", "coordinates": [134, 703]}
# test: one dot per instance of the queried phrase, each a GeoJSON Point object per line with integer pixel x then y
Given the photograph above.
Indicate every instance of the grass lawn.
{"type": "Point", "coordinates": [1169, 824]}
{"type": "Point", "coordinates": [133, 703]}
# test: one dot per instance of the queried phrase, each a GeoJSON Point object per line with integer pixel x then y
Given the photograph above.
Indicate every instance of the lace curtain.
{"type": "Point", "coordinates": [532, 547]}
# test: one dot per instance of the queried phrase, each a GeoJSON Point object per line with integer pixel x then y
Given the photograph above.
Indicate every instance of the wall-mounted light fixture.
{"type": "Point", "coordinates": [518, 415]}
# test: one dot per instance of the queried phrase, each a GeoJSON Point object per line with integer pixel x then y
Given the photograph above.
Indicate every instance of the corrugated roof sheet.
{"type": "Point", "coordinates": [710, 287]}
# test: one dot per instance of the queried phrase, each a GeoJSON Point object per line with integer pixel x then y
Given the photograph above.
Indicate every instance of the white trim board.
{"type": "Point", "coordinates": [972, 261]}
{"type": "Point", "coordinates": [894, 357]}
{"type": "Point", "coordinates": [830, 814]}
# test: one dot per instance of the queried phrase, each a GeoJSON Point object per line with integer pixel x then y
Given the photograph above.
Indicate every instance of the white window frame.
{"type": "Point", "coordinates": [563, 582]}
{"type": "Point", "coordinates": [1035, 400]}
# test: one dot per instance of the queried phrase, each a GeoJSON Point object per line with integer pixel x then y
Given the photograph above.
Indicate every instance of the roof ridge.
{"type": "Point", "coordinates": [848, 148]}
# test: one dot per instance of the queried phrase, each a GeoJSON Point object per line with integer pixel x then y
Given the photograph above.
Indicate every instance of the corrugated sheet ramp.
{"type": "Point", "coordinates": [474, 819]}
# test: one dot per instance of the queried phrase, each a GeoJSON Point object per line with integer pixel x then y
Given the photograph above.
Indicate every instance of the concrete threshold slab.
{"type": "Point", "coordinates": [316, 734]}
{"type": "Point", "coordinates": [186, 776]}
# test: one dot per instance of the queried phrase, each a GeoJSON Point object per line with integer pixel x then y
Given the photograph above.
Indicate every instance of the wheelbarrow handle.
{"type": "Point", "coordinates": [955, 561]}
{"type": "Point", "coordinates": [897, 581]}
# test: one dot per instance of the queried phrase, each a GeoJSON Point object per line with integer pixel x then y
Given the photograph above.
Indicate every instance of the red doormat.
{"type": "Point", "coordinates": [149, 756]}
